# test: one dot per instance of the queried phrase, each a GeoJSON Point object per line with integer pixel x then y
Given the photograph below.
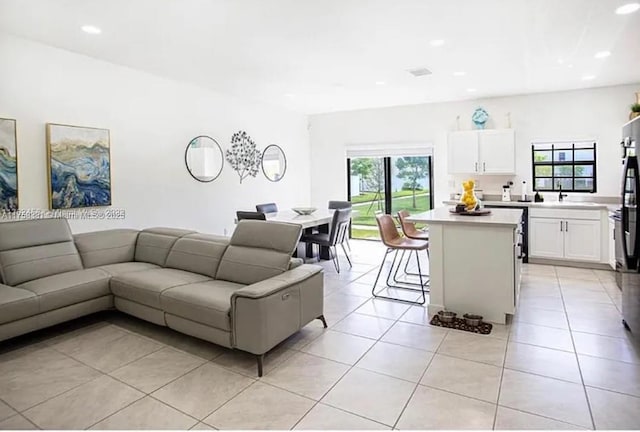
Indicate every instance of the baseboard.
{"type": "Point", "coordinates": [563, 263]}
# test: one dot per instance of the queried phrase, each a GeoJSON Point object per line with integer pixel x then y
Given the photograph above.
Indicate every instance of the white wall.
{"type": "Point", "coordinates": [590, 114]}
{"type": "Point", "coordinates": [151, 120]}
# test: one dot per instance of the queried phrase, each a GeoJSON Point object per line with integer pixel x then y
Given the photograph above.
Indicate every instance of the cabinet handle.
{"type": "Point", "coordinates": [560, 226]}
{"type": "Point", "coordinates": [476, 166]}
{"type": "Point", "coordinates": [566, 226]}
{"type": "Point", "coordinates": [484, 166]}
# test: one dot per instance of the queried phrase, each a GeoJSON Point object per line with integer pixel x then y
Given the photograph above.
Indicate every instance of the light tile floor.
{"type": "Point", "coordinates": [564, 362]}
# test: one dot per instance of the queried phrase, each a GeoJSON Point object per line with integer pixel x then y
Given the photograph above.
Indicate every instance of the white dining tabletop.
{"type": "Point", "coordinates": [318, 217]}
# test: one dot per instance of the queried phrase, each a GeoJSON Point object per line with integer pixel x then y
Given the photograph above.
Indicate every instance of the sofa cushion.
{"type": "Point", "coordinates": [69, 288]}
{"type": "Point", "coordinates": [258, 250]}
{"type": "Point", "coordinates": [16, 303]}
{"type": "Point", "coordinates": [197, 253]}
{"type": "Point", "coordinates": [106, 247]}
{"type": "Point", "coordinates": [153, 244]}
{"type": "Point", "coordinates": [34, 249]}
{"type": "Point", "coordinates": [145, 286]}
{"type": "Point", "coordinates": [205, 302]}
{"type": "Point", "coordinates": [127, 267]}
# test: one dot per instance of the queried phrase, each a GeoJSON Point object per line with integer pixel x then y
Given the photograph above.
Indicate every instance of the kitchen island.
{"type": "Point", "coordinates": [475, 262]}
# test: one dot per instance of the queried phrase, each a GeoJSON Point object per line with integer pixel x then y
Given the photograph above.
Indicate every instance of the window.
{"type": "Point", "coordinates": [570, 167]}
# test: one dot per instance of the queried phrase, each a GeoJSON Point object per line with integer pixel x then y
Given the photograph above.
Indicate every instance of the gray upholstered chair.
{"type": "Point", "coordinates": [333, 205]}
{"type": "Point", "coordinates": [336, 236]}
{"type": "Point", "coordinates": [267, 208]}
{"type": "Point", "coordinates": [240, 215]}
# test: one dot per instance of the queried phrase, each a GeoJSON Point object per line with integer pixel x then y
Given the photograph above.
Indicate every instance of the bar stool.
{"type": "Point", "coordinates": [395, 243]}
{"type": "Point", "coordinates": [410, 231]}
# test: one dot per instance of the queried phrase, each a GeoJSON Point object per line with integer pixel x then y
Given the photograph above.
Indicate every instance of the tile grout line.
{"type": "Point", "coordinates": [573, 343]}
{"type": "Point", "coordinates": [504, 362]}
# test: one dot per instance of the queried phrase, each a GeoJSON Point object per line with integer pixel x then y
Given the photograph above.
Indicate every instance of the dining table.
{"type": "Point", "coordinates": [319, 220]}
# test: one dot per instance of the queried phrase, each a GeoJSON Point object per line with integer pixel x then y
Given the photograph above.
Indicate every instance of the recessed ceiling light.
{"type": "Point", "coordinates": [471, 90]}
{"type": "Point", "coordinates": [602, 54]}
{"type": "Point", "coordinates": [459, 73]}
{"type": "Point", "coordinates": [560, 61]}
{"type": "Point", "coordinates": [437, 42]}
{"type": "Point", "coordinates": [380, 83]}
{"type": "Point", "coordinates": [569, 66]}
{"type": "Point", "coordinates": [628, 8]}
{"type": "Point", "coordinates": [289, 95]}
{"type": "Point", "coordinates": [91, 29]}
{"type": "Point", "coordinates": [588, 77]}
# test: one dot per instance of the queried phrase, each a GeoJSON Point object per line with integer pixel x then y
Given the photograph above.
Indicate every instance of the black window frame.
{"type": "Point", "coordinates": [572, 147]}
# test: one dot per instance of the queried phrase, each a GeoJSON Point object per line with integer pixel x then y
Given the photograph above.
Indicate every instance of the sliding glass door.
{"type": "Point", "coordinates": [387, 185]}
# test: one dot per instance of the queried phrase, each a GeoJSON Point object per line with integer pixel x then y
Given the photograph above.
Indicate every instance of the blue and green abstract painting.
{"type": "Point", "coordinates": [8, 166]}
{"type": "Point", "coordinates": [80, 167]}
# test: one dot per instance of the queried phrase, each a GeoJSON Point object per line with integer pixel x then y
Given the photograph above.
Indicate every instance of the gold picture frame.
{"type": "Point", "coordinates": [78, 166]}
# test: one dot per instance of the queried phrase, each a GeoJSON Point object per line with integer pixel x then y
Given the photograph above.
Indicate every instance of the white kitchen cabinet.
{"type": "Point", "coordinates": [491, 152]}
{"type": "Point", "coordinates": [612, 244]}
{"type": "Point", "coordinates": [497, 151]}
{"type": "Point", "coordinates": [463, 152]}
{"type": "Point", "coordinates": [574, 235]}
{"type": "Point", "coordinates": [582, 240]}
{"type": "Point", "coordinates": [546, 239]}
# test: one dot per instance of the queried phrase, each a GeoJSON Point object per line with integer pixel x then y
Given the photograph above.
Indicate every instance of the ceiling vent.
{"type": "Point", "coordinates": [418, 72]}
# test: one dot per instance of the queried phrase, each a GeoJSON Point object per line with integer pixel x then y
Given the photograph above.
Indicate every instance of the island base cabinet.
{"type": "Point", "coordinates": [474, 270]}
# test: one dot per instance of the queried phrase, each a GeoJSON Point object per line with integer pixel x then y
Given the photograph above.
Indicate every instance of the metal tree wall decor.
{"type": "Point", "coordinates": [243, 156]}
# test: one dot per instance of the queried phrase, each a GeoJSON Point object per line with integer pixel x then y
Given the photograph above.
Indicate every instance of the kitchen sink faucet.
{"type": "Point", "coordinates": [561, 195]}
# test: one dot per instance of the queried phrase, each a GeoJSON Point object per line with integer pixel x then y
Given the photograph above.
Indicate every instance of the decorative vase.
{"type": "Point", "coordinates": [469, 198]}
{"type": "Point", "coordinates": [480, 117]}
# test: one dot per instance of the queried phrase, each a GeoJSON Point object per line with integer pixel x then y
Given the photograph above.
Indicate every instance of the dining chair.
{"type": "Point", "coordinates": [267, 208]}
{"type": "Point", "coordinates": [250, 215]}
{"type": "Point", "coordinates": [333, 205]}
{"type": "Point", "coordinates": [395, 243]}
{"type": "Point", "coordinates": [336, 236]}
{"type": "Point", "coordinates": [410, 231]}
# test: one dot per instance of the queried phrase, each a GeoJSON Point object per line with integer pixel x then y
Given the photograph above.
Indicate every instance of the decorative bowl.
{"type": "Point", "coordinates": [472, 320]}
{"type": "Point", "coordinates": [447, 316]}
{"type": "Point", "coordinates": [304, 211]}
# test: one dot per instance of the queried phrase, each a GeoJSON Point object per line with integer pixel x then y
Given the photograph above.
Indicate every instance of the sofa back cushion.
{"type": "Point", "coordinates": [153, 244]}
{"type": "Point", "coordinates": [258, 250]}
{"type": "Point", "coordinates": [106, 247]}
{"type": "Point", "coordinates": [34, 249]}
{"type": "Point", "coordinates": [198, 253]}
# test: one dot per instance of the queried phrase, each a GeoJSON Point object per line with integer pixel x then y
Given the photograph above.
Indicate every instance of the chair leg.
{"type": "Point", "coordinates": [347, 255]}
{"type": "Point", "coordinates": [348, 245]}
{"type": "Point", "coordinates": [391, 270]}
{"type": "Point", "coordinates": [336, 261]}
{"type": "Point", "coordinates": [260, 358]}
{"type": "Point", "coordinates": [324, 321]}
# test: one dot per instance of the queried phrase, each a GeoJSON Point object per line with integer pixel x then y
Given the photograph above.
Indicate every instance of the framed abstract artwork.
{"type": "Point", "coordinates": [79, 165]}
{"type": "Point", "coordinates": [8, 166]}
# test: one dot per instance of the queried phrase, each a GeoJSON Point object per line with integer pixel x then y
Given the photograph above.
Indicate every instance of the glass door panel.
{"type": "Point", "coordinates": [410, 184]}
{"type": "Point", "coordinates": [367, 195]}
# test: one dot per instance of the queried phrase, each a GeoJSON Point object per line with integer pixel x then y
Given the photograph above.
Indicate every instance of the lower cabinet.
{"type": "Point", "coordinates": [566, 239]}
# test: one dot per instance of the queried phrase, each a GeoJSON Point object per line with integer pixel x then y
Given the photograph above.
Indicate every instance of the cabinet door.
{"type": "Point", "coordinates": [546, 238]}
{"type": "Point", "coordinates": [582, 240]}
{"type": "Point", "coordinates": [497, 151]}
{"type": "Point", "coordinates": [612, 244]}
{"type": "Point", "coordinates": [463, 152]}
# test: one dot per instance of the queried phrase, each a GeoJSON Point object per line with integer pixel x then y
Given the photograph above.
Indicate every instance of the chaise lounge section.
{"type": "Point", "coordinates": [243, 292]}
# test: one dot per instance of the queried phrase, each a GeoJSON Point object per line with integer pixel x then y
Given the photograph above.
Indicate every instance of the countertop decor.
{"type": "Point", "coordinates": [480, 117]}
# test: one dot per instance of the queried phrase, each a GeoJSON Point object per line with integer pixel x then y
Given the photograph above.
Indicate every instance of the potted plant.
{"type": "Point", "coordinates": [635, 111]}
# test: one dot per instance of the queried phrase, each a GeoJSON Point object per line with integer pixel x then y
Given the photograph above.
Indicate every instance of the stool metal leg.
{"type": "Point", "coordinates": [390, 285]}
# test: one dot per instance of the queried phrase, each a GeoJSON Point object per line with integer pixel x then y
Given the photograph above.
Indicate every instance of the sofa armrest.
{"type": "Point", "coordinates": [266, 313]}
{"type": "Point", "coordinates": [277, 283]}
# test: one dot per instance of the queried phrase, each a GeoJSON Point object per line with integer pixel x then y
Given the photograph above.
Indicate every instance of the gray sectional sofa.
{"type": "Point", "coordinates": [243, 292]}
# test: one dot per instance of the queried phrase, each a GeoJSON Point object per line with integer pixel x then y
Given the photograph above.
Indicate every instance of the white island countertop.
{"type": "Point", "coordinates": [442, 215]}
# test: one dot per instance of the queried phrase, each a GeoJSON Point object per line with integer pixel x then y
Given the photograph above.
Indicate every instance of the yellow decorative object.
{"type": "Point", "coordinates": [468, 196]}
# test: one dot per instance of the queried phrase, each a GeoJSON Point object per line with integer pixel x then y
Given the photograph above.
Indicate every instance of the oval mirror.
{"type": "Point", "coordinates": [274, 163]}
{"type": "Point", "coordinates": [204, 158]}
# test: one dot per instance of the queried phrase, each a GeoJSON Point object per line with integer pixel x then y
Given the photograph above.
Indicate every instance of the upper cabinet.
{"type": "Point", "coordinates": [489, 151]}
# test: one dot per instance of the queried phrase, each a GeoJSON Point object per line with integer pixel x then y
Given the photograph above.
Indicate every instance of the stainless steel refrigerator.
{"type": "Point", "coordinates": [628, 239]}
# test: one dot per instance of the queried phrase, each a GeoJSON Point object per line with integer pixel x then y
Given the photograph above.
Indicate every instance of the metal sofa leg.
{"type": "Point", "coordinates": [260, 358]}
{"type": "Point", "coordinates": [324, 321]}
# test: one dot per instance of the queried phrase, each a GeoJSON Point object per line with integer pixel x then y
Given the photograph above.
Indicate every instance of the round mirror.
{"type": "Point", "coordinates": [204, 158]}
{"type": "Point", "coordinates": [274, 163]}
